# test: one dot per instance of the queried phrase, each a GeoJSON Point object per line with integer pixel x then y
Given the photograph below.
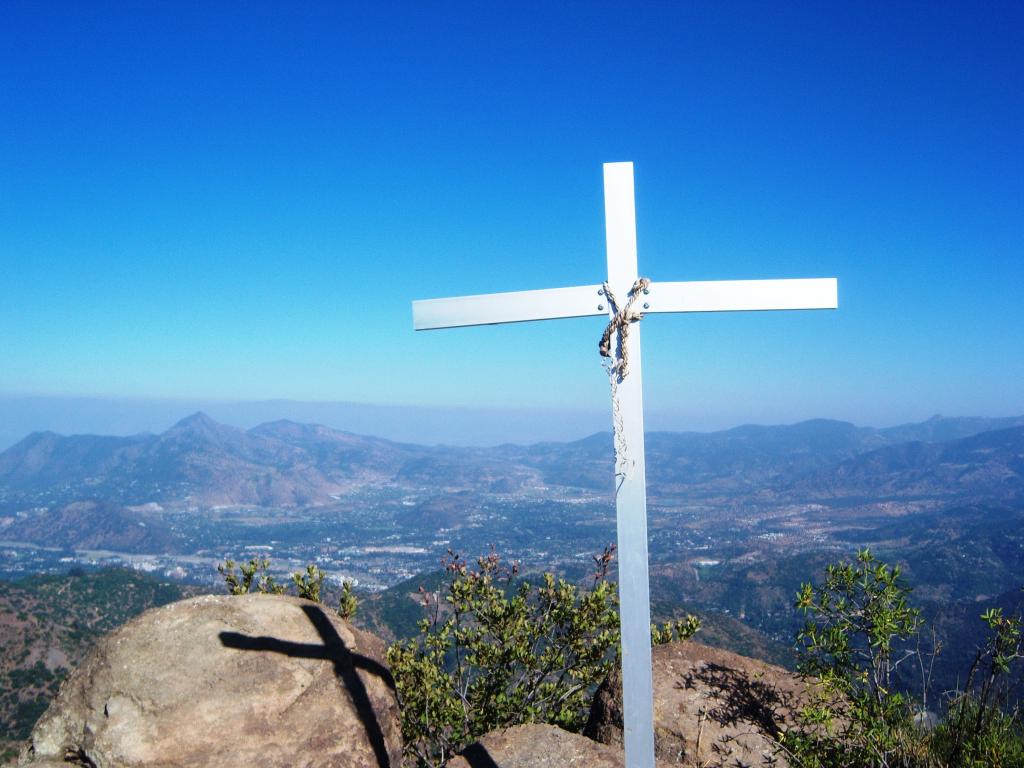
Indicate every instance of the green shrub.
{"type": "Point", "coordinates": [495, 653]}
{"type": "Point", "coordinates": [255, 573]}
{"type": "Point", "coordinates": [309, 583]}
{"type": "Point", "coordinates": [978, 736]}
{"type": "Point", "coordinates": [672, 631]}
{"type": "Point", "coordinates": [983, 727]}
{"type": "Point", "coordinates": [852, 641]}
{"type": "Point", "coordinates": [347, 603]}
{"type": "Point", "coordinates": [255, 576]}
{"type": "Point", "coordinates": [858, 631]}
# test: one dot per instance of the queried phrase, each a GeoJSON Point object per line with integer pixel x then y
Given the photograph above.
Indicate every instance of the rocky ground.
{"type": "Point", "coordinates": [262, 680]}
{"type": "Point", "coordinates": [280, 682]}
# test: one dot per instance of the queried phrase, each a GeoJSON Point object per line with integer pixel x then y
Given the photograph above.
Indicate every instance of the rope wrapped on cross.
{"type": "Point", "coordinates": [618, 359]}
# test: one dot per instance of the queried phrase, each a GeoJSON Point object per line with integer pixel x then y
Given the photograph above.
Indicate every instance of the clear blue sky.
{"type": "Point", "coordinates": [239, 201]}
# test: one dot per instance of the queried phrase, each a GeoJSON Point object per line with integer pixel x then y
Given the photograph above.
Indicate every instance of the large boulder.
{"type": "Point", "coordinates": [262, 680]}
{"type": "Point", "coordinates": [711, 707]}
{"type": "Point", "coordinates": [539, 746]}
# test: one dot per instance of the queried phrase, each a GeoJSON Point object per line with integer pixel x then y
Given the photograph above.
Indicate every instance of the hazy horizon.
{"type": "Point", "coordinates": [424, 425]}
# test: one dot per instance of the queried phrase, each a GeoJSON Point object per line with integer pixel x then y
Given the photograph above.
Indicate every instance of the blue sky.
{"type": "Point", "coordinates": [239, 201]}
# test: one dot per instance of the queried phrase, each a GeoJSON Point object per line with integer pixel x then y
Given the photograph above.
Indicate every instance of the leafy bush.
{"type": "Point", "coordinates": [309, 583]}
{"type": "Point", "coordinates": [255, 573]}
{"type": "Point", "coordinates": [495, 653]}
{"type": "Point", "coordinates": [347, 603]}
{"type": "Point", "coordinates": [978, 736]}
{"type": "Point", "coordinates": [255, 576]}
{"type": "Point", "coordinates": [858, 631]}
{"type": "Point", "coordinates": [850, 648]}
{"type": "Point", "coordinates": [672, 631]}
{"type": "Point", "coordinates": [981, 729]}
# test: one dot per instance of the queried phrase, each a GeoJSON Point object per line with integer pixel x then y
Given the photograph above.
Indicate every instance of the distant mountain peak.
{"type": "Point", "coordinates": [197, 419]}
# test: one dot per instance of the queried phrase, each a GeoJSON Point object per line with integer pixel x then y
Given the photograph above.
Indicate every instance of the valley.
{"type": "Point", "coordinates": [737, 519]}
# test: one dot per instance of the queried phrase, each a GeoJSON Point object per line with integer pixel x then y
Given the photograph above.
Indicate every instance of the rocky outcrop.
{"type": "Point", "coordinates": [539, 746]}
{"type": "Point", "coordinates": [262, 680]}
{"type": "Point", "coordinates": [711, 707]}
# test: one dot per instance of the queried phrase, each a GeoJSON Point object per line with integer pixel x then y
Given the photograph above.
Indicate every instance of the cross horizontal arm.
{"type": "Point", "coordinates": [585, 301]}
{"type": "Point", "coordinates": [516, 307]}
{"type": "Point", "coordinates": [739, 295]}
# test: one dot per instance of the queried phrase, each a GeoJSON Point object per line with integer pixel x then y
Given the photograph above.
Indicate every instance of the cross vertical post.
{"type": "Point", "coordinates": [631, 483]}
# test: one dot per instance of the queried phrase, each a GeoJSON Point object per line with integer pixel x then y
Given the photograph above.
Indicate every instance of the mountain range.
{"type": "Point", "coordinates": [201, 463]}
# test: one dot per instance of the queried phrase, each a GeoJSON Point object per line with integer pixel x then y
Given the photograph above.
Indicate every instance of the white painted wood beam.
{"type": "Point", "coordinates": [585, 301]}
{"type": "Point", "coordinates": [742, 295]}
{"type": "Point", "coordinates": [514, 307]}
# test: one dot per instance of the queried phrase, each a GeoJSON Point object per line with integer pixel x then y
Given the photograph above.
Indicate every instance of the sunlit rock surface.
{"type": "Point", "coordinates": [711, 707]}
{"type": "Point", "coordinates": [260, 680]}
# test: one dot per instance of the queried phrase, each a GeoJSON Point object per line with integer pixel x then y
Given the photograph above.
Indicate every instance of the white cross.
{"type": "Point", "coordinates": [631, 495]}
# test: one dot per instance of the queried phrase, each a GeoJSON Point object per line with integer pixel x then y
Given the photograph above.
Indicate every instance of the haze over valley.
{"type": "Point", "coordinates": [729, 510]}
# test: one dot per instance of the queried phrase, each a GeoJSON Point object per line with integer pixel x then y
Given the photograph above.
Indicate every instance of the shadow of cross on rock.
{"type": "Point", "coordinates": [346, 663]}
